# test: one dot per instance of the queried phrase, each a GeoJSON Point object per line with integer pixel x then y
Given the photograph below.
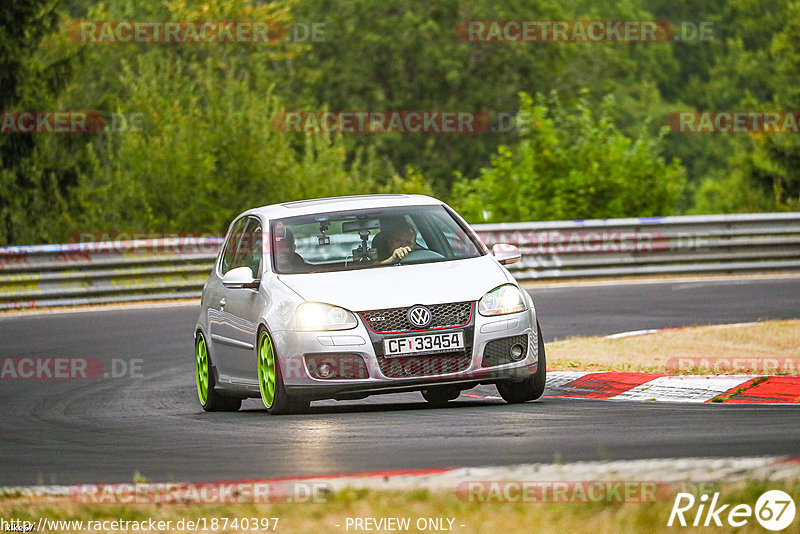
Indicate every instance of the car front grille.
{"type": "Point", "coordinates": [427, 364]}
{"type": "Point", "coordinates": [395, 320]}
{"type": "Point", "coordinates": [433, 365]}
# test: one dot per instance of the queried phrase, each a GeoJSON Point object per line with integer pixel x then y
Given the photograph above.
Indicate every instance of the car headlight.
{"type": "Point", "coordinates": [502, 300]}
{"type": "Point", "coordinates": [314, 316]}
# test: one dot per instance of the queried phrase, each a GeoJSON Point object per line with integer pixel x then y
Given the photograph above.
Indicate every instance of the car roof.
{"type": "Point", "coordinates": [355, 202]}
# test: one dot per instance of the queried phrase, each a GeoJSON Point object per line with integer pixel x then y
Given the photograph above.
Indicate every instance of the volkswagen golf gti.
{"type": "Point", "coordinates": [342, 298]}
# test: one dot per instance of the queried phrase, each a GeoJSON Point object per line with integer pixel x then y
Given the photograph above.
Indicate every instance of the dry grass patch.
{"type": "Point", "coordinates": [771, 347]}
{"type": "Point", "coordinates": [478, 518]}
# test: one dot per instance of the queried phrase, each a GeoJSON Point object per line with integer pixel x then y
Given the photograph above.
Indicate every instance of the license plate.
{"type": "Point", "coordinates": [425, 344]}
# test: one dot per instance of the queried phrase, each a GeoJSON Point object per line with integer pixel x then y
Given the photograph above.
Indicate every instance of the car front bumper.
{"type": "Point", "coordinates": [298, 353]}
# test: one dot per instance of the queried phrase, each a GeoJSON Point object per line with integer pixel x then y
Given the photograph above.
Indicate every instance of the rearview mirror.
{"type": "Point", "coordinates": [506, 254]}
{"type": "Point", "coordinates": [361, 224]}
{"type": "Point", "coordinates": [240, 278]}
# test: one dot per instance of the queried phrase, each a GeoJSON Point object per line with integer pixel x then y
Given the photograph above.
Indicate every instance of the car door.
{"type": "Point", "coordinates": [240, 308]}
{"type": "Point", "coordinates": [221, 329]}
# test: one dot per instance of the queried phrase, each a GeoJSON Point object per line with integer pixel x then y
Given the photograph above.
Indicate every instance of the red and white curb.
{"type": "Point", "coordinates": [674, 388]}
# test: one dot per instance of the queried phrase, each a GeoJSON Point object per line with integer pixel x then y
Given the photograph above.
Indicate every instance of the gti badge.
{"type": "Point", "coordinates": [419, 316]}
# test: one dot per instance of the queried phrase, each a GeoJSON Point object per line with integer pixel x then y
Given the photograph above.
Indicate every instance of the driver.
{"type": "Point", "coordinates": [402, 239]}
{"type": "Point", "coordinates": [290, 261]}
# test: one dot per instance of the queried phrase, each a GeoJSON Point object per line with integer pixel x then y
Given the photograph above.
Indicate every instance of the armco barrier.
{"type": "Point", "coordinates": [97, 273]}
{"type": "Point", "coordinates": [105, 272]}
{"type": "Point", "coordinates": [651, 245]}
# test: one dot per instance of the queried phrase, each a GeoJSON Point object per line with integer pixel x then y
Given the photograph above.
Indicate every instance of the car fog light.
{"type": "Point", "coordinates": [516, 351]}
{"type": "Point", "coordinates": [326, 370]}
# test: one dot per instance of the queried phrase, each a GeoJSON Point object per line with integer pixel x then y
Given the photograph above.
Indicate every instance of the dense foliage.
{"type": "Point", "coordinates": [577, 129]}
{"type": "Point", "coordinates": [571, 164]}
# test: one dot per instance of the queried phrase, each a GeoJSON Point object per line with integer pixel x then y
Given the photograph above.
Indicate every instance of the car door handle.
{"type": "Point", "coordinates": [222, 304]}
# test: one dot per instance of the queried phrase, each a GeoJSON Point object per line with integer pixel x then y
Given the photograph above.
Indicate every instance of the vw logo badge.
{"type": "Point", "coordinates": [419, 316]}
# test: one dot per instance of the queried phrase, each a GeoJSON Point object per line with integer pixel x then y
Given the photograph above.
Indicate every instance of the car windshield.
{"type": "Point", "coordinates": [338, 241]}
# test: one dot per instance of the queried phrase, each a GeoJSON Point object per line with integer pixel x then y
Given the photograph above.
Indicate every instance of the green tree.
{"type": "Point", "coordinates": [407, 55]}
{"type": "Point", "coordinates": [204, 147]}
{"type": "Point", "coordinates": [731, 70]}
{"type": "Point", "coordinates": [775, 163]}
{"type": "Point", "coordinates": [571, 164]}
{"type": "Point", "coordinates": [33, 186]}
{"type": "Point", "coordinates": [206, 151]}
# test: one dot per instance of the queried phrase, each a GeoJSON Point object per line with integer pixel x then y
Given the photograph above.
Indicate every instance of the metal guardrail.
{"type": "Point", "coordinates": [105, 272]}
{"type": "Point", "coordinates": [652, 245]}
{"type": "Point", "coordinates": [157, 269]}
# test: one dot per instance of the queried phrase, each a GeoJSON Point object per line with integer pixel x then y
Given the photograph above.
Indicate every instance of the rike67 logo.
{"type": "Point", "coordinates": [774, 510]}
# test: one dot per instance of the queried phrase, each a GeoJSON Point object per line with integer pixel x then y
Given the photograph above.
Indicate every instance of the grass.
{"type": "Point", "coordinates": [771, 347]}
{"type": "Point", "coordinates": [597, 518]}
{"type": "Point", "coordinates": [739, 390]}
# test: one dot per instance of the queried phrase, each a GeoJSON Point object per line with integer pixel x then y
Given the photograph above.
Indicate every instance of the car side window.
{"type": "Point", "coordinates": [420, 238]}
{"type": "Point", "coordinates": [251, 247]}
{"type": "Point", "coordinates": [229, 252]}
{"type": "Point", "coordinates": [458, 242]}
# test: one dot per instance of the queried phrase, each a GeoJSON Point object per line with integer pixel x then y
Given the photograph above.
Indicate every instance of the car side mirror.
{"type": "Point", "coordinates": [240, 278]}
{"type": "Point", "coordinates": [506, 254]}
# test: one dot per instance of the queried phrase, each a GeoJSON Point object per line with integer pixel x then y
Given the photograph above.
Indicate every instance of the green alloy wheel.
{"type": "Point", "coordinates": [209, 398]}
{"type": "Point", "coordinates": [201, 368]}
{"type": "Point", "coordinates": [266, 369]}
{"type": "Point", "coordinates": [270, 381]}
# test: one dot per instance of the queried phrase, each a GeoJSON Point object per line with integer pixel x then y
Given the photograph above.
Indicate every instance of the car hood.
{"type": "Point", "coordinates": [401, 285]}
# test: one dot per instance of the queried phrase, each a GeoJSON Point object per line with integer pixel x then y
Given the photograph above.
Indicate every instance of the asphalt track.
{"type": "Point", "coordinates": [107, 429]}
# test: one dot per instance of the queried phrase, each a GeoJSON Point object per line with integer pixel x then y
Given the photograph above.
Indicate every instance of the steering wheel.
{"type": "Point", "coordinates": [420, 254]}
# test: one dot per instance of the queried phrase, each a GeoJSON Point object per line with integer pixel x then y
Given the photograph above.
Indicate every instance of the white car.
{"type": "Point", "coordinates": [341, 298]}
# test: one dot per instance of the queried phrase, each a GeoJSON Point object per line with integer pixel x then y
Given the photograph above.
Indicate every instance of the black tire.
{"type": "Point", "coordinates": [440, 395]}
{"type": "Point", "coordinates": [213, 402]}
{"type": "Point", "coordinates": [284, 403]}
{"type": "Point", "coordinates": [281, 403]}
{"type": "Point", "coordinates": [532, 387]}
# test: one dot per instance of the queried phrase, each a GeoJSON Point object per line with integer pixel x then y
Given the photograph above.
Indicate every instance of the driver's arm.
{"type": "Point", "coordinates": [397, 255]}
